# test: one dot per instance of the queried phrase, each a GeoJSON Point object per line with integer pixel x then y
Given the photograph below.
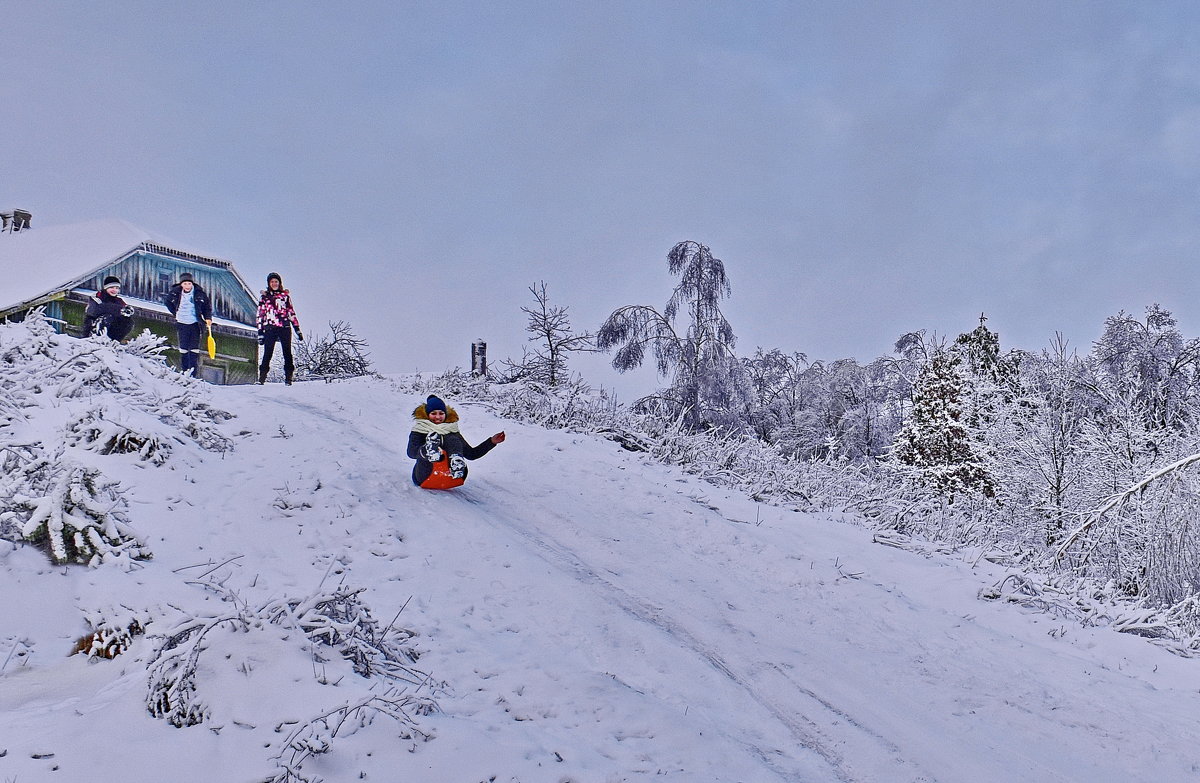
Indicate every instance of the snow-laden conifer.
{"type": "Point", "coordinates": [76, 515]}
{"type": "Point", "coordinates": [935, 440]}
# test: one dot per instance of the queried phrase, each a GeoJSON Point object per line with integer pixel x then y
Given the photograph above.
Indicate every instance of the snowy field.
{"type": "Point", "coordinates": [578, 614]}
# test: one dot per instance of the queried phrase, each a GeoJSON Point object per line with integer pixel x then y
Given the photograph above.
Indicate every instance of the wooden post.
{"type": "Point", "coordinates": [479, 358]}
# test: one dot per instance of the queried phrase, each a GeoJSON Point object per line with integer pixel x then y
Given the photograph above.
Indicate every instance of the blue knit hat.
{"type": "Point", "coordinates": [434, 403]}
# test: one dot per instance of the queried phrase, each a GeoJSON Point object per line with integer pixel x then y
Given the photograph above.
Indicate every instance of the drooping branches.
{"type": "Point", "coordinates": [707, 379]}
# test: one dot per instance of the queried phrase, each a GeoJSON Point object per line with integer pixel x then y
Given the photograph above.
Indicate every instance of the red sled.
{"type": "Point", "coordinates": [440, 478]}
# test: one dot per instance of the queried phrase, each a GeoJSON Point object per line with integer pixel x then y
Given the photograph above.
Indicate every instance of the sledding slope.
{"type": "Point", "coordinates": [593, 616]}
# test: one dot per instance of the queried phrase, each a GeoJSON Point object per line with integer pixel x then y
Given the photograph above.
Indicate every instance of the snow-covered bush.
{"type": "Point", "coordinates": [1144, 540]}
{"type": "Point", "coordinates": [60, 395]}
{"type": "Point", "coordinates": [300, 631]}
{"type": "Point", "coordinates": [340, 620]}
{"type": "Point", "coordinates": [316, 736]}
{"type": "Point", "coordinates": [100, 431]}
{"type": "Point", "coordinates": [172, 693]}
{"type": "Point", "coordinates": [334, 620]}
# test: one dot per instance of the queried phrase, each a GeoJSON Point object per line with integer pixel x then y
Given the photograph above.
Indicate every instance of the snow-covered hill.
{"type": "Point", "coordinates": [575, 613]}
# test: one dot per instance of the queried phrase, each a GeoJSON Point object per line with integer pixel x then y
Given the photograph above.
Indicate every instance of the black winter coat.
{"type": "Point", "coordinates": [105, 309]}
{"type": "Point", "coordinates": [199, 297]}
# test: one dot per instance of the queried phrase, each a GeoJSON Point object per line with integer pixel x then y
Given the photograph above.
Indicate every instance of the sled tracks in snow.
{"type": "Point", "coordinates": [775, 686]}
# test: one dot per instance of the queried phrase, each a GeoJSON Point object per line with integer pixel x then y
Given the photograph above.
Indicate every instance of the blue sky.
{"type": "Point", "coordinates": [863, 169]}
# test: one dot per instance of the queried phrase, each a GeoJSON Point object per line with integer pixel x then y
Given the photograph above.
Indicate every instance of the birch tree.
{"type": "Point", "coordinates": [707, 384]}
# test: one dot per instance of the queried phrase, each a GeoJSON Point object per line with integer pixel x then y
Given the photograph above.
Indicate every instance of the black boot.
{"type": "Point", "coordinates": [262, 375]}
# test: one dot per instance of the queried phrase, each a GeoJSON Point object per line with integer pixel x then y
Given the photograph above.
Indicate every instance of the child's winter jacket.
{"type": "Point", "coordinates": [199, 297]}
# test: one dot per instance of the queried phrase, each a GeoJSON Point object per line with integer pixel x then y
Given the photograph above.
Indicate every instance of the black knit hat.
{"type": "Point", "coordinates": [110, 281]}
{"type": "Point", "coordinates": [186, 277]}
{"type": "Point", "coordinates": [276, 276]}
{"type": "Point", "coordinates": [434, 403]}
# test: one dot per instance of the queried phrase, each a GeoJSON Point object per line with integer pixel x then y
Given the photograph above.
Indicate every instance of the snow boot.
{"type": "Point", "coordinates": [262, 376]}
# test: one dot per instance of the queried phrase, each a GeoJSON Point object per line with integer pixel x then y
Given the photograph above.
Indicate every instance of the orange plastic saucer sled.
{"type": "Point", "coordinates": [440, 478]}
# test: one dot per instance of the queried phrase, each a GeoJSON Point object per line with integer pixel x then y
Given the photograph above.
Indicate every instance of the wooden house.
{"type": "Point", "coordinates": [59, 267]}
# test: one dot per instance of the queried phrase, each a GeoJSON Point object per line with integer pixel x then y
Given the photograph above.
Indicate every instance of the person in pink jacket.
{"type": "Point", "coordinates": [276, 320]}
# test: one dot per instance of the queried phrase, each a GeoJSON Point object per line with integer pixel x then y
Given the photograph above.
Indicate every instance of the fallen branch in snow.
{"type": "Point", "coordinates": [339, 620]}
{"type": "Point", "coordinates": [315, 737]}
{"type": "Point", "coordinates": [171, 693]}
{"type": "Point", "coordinates": [1101, 607]}
{"type": "Point", "coordinates": [1116, 500]}
{"type": "Point", "coordinates": [334, 619]}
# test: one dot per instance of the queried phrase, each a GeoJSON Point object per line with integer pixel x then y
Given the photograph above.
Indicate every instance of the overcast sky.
{"type": "Point", "coordinates": [864, 169]}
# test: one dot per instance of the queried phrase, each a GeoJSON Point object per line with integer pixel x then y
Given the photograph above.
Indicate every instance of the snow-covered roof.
{"type": "Point", "coordinates": [39, 261]}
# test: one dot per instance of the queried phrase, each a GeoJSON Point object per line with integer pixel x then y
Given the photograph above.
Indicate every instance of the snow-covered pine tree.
{"type": "Point", "coordinates": [935, 439]}
{"type": "Point", "coordinates": [75, 515]}
{"type": "Point", "coordinates": [980, 348]}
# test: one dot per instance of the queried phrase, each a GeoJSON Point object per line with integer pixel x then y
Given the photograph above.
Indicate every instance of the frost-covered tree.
{"type": "Point", "coordinates": [340, 354]}
{"type": "Point", "coordinates": [1151, 360]}
{"type": "Point", "coordinates": [825, 410]}
{"type": "Point", "coordinates": [1036, 444]}
{"type": "Point", "coordinates": [707, 388]}
{"type": "Point", "coordinates": [773, 378]}
{"type": "Point", "coordinates": [935, 439]}
{"type": "Point", "coordinates": [549, 327]}
{"type": "Point", "coordinates": [872, 405]}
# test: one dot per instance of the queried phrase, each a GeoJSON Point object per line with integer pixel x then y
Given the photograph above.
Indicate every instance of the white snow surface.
{"type": "Point", "coordinates": [593, 617]}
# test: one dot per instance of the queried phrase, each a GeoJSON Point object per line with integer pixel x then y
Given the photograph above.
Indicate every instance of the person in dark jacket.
{"type": "Point", "coordinates": [192, 308]}
{"type": "Point", "coordinates": [435, 439]}
{"type": "Point", "coordinates": [107, 312]}
{"type": "Point", "coordinates": [276, 320]}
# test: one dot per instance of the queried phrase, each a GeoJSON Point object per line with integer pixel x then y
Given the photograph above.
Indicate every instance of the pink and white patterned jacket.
{"type": "Point", "coordinates": [275, 309]}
